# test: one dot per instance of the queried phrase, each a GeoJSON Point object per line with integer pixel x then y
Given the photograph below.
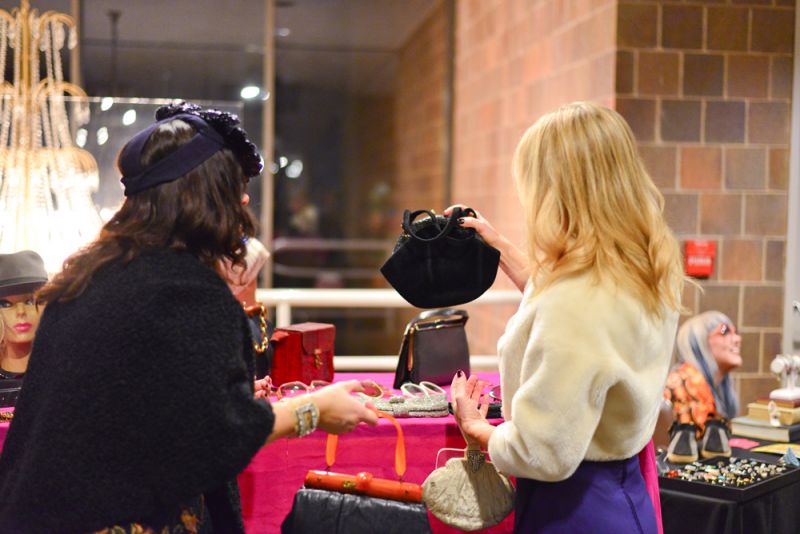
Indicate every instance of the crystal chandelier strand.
{"type": "Point", "coordinates": [46, 183]}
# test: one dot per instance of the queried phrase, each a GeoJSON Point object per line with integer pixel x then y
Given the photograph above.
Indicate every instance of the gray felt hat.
{"type": "Point", "coordinates": [21, 272]}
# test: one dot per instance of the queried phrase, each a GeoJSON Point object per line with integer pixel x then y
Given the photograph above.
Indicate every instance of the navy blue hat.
{"type": "Point", "coordinates": [21, 272]}
{"type": "Point", "coordinates": [215, 130]}
{"type": "Point", "coordinates": [202, 146]}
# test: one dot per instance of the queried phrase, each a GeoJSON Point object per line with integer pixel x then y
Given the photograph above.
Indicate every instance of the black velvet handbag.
{"type": "Point", "coordinates": [437, 264]}
{"type": "Point", "coordinates": [434, 348]}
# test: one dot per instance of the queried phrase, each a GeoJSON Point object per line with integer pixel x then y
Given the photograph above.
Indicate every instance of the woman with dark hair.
{"type": "Point", "coordinates": [138, 409]}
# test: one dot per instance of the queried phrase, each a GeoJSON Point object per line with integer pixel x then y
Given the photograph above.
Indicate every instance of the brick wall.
{"type": "Point", "coordinates": [706, 87]}
{"type": "Point", "coordinates": [514, 61]}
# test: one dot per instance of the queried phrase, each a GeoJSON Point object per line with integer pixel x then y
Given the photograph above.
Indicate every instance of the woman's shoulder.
{"type": "Point", "coordinates": [600, 302]}
{"type": "Point", "coordinates": [582, 293]}
{"type": "Point", "coordinates": [154, 280]}
{"type": "Point", "coordinates": [158, 268]}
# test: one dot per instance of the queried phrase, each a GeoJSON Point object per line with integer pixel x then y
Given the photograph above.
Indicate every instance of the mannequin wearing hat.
{"type": "Point", "coordinates": [21, 274]}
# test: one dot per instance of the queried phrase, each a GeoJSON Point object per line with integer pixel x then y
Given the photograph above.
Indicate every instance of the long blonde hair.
{"type": "Point", "coordinates": [590, 206]}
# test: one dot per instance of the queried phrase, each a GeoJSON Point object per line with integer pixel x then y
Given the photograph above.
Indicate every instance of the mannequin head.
{"type": "Point", "coordinates": [21, 274]}
{"type": "Point", "coordinates": [725, 344]}
{"type": "Point", "coordinates": [20, 318]}
{"type": "Point", "coordinates": [710, 336]}
{"type": "Point", "coordinates": [709, 342]}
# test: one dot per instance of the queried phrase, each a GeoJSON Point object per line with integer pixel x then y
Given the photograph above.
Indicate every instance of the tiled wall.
{"type": "Point", "coordinates": [514, 61]}
{"type": "Point", "coordinates": [706, 87]}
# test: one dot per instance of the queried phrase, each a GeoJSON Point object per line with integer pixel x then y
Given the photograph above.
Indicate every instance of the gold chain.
{"type": "Point", "coordinates": [262, 322]}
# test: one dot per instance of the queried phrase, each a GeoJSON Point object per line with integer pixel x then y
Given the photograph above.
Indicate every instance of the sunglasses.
{"type": "Point", "coordinates": [373, 389]}
{"type": "Point", "coordinates": [725, 329]}
{"type": "Point", "coordinates": [293, 389]}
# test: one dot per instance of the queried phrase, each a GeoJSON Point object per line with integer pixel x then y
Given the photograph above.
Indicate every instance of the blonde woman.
{"type": "Point", "coordinates": [584, 360]}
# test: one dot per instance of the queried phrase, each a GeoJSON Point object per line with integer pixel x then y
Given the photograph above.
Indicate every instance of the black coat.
{"type": "Point", "coordinates": [138, 396]}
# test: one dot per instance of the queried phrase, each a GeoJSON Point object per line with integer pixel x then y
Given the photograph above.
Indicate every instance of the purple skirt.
{"type": "Point", "coordinates": [600, 497]}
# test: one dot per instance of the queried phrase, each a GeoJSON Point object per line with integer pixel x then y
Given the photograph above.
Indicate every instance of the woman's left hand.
{"type": "Point", "coordinates": [469, 411]}
{"type": "Point", "coordinates": [261, 388]}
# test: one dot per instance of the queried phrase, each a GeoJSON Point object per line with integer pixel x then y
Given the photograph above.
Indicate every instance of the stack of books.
{"type": "Point", "coordinates": [757, 424]}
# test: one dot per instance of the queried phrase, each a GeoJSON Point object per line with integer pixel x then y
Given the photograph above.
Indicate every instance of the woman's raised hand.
{"type": "Point", "coordinates": [513, 261]}
{"type": "Point", "coordinates": [339, 411]}
{"type": "Point", "coordinates": [480, 225]}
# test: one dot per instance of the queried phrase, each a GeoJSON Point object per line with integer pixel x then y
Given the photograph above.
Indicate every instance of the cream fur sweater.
{"type": "Point", "coordinates": [582, 368]}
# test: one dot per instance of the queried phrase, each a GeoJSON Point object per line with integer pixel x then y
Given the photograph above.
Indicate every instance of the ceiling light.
{"type": "Point", "coordinates": [106, 103]}
{"type": "Point", "coordinates": [283, 32]}
{"type": "Point", "coordinates": [102, 136]}
{"type": "Point", "coordinates": [283, 161]}
{"type": "Point", "coordinates": [81, 136]}
{"type": "Point", "coordinates": [295, 169]}
{"type": "Point", "coordinates": [250, 91]}
{"type": "Point", "coordinates": [129, 117]}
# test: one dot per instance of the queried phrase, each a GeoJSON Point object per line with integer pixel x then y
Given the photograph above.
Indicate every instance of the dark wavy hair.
{"type": "Point", "coordinates": [200, 213]}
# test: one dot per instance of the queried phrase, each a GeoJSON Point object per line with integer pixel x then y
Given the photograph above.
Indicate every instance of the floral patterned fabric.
{"type": "Point", "coordinates": [690, 395]}
{"type": "Point", "coordinates": [189, 519]}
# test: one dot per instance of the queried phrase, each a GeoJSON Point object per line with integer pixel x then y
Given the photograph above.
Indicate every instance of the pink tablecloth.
{"type": "Point", "coordinates": [270, 481]}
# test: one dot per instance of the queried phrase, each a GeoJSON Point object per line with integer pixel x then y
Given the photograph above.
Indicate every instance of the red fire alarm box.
{"type": "Point", "coordinates": [699, 258]}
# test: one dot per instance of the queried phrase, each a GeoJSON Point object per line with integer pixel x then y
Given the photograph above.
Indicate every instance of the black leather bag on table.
{"type": "Point", "coordinates": [437, 264]}
{"type": "Point", "coordinates": [434, 348]}
{"type": "Point", "coordinates": [332, 503]}
{"type": "Point", "coordinates": [328, 512]}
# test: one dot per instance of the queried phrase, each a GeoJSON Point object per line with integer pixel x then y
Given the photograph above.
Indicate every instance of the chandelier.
{"type": "Point", "coordinates": [46, 182]}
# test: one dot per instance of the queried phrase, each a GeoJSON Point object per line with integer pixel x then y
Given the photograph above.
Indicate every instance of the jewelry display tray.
{"type": "Point", "coordinates": [730, 493]}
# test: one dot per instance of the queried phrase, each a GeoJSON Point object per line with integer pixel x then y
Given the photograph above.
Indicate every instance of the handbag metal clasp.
{"type": "Point", "coordinates": [317, 359]}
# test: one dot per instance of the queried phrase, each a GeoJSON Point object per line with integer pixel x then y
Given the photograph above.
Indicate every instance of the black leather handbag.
{"type": "Point", "coordinates": [333, 503]}
{"type": "Point", "coordinates": [437, 264]}
{"type": "Point", "coordinates": [434, 348]}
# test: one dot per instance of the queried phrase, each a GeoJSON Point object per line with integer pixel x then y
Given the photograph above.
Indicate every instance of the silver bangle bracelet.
{"type": "Point", "coordinates": [307, 415]}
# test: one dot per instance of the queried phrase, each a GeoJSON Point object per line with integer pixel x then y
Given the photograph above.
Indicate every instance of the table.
{"type": "Point", "coordinates": [772, 513]}
{"type": "Point", "coordinates": [276, 472]}
{"type": "Point", "coordinates": [269, 483]}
